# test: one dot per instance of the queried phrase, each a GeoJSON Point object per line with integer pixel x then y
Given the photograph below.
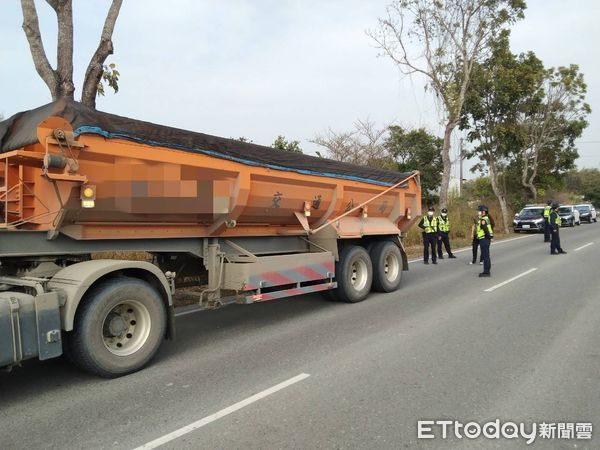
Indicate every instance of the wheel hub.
{"type": "Point", "coordinates": [116, 325]}
{"type": "Point", "coordinates": [126, 328]}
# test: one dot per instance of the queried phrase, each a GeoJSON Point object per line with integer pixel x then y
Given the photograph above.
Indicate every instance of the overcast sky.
{"type": "Point", "coordinates": [259, 68]}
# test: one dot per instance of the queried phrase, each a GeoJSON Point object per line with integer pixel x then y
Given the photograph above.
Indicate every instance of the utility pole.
{"type": "Point", "coordinates": [460, 159]}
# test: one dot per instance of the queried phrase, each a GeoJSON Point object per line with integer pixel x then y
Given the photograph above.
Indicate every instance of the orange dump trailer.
{"type": "Point", "coordinates": [221, 221]}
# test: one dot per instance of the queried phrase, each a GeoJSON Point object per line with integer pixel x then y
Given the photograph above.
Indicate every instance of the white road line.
{"type": "Point", "coordinates": [583, 246]}
{"type": "Point", "coordinates": [493, 288]}
{"type": "Point", "coordinates": [224, 412]}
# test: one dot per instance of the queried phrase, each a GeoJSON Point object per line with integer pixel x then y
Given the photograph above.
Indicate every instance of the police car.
{"type": "Point", "coordinates": [530, 218]}
{"type": "Point", "coordinates": [569, 216]}
{"type": "Point", "coordinates": [587, 212]}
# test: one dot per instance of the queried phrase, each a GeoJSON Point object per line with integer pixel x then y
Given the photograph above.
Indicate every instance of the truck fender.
{"type": "Point", "coordinates": [75, 280]}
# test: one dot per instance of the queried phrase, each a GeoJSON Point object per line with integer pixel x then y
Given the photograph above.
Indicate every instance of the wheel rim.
{"type": "Point", "coordinates": [126, 328]}
{"type": "Point", "coordinates": [359, 274]}
{"type": "Point", "coordinates": [392, 267]}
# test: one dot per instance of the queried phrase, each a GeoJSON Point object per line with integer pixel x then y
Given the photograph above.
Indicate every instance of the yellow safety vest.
{"type": "Point", "coordinates": [430, 225]}
{"type": "Point", "coordinates": [557, 220]}
{"type": "Point", "coordinates": [547, 211]}
{"type": "Point", "coordinates": [444, 224]}
{"type": "Point", "coordinates": [481, 227]}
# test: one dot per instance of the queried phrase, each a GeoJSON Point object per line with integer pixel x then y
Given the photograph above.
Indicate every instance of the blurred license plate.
{"type": "Point", "coordinates": [526, 226]}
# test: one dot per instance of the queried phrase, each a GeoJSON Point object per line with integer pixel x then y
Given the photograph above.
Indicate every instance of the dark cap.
{"type": "Point", "coordinates": [431, 208]}
{"type": "Point", "coordinates": [482, 208]}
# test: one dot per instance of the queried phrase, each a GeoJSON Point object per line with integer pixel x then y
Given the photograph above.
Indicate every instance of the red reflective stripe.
{"type": "Point", "coordinates": [310, 273]}
{"type": "Point", "coordinates": [276, 278]}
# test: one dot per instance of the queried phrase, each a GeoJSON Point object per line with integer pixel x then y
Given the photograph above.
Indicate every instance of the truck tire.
{"type": "Point", "coordinates": [387, 266]}
{"type": "Point", "coordinates": [118, 327]}
{"type": "Point", "coordinates": [354, 274]}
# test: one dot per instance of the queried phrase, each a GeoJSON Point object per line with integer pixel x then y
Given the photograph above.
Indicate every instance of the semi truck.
{"type": "Point", "coordinates": [108, 223]}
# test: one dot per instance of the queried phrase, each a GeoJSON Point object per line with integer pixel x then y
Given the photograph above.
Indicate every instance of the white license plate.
{"type": "Point", "coordinates": [525, 226]}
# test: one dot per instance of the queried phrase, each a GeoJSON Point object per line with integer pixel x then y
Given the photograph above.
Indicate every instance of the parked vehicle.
{"type": "Point", "coordinates": [529, 219]}
{"type": "Point", "coordinates": [587, 212]}
{"type": "Point", "coordinates": [227, 221]}
{"type": "Point", "coordinates": [569, 216]}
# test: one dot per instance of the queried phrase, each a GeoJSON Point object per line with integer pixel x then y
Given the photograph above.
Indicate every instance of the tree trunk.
{"type": "Point", "coordinates": [499, 195]}
{"type": "Point", "coordinates": [64, 49]}
{"type": "Point", "coordinates": [31, 28]}
{"type": "Point", "coordinates": [450, 126]}
{"type": "Point", "coordinates": [528, 180]}
{"type": "Point", "coordinates": [95, 69]}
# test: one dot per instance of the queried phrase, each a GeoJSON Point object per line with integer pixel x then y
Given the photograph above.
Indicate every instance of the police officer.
{"type": "Point", "coordinates": [475, 242]}
{"type": "Point", "coordinates": [443, 237]}
{"type": "Point", "coordinates": [484, 236]}
{"type": "Point", "coordinates": [429, 225]}
{"type": "Point", "coordinates": [555, 248]}
{"type": "Point", "coordinates": [547, 227]}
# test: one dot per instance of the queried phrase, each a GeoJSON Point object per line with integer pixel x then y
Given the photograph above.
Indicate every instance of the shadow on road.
{"type": "Point", "coordinates": [194, 331]}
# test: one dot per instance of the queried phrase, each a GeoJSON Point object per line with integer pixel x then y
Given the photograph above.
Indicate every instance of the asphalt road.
{"type": "Point", "coordinates": [440, 348]}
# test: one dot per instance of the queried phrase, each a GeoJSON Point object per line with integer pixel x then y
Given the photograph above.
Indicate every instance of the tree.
{"type": "Point", "coordinates": [417, 150]}
{"type": "Point", "coordinates": [60, 80]}
{"type": "Point", "coordinates": [491, 110]}
{"type": "Point", "coordinates": [556, 116]}
{"type": "Point", "coordinates": [362, 146]}
{"type": "Point", "coordinates": [243, 139]}
{"type": "Point", "coordinates": [289, 146]}
{"type": "Point", "coordinates": [586, 182]}
{"type": "Point", "coordinates": [452, 35]}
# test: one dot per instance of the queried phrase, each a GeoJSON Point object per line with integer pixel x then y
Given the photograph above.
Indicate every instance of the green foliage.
{"type": "Point", "coordinates": [417, 150]}
{"type": "Point", "coordinates": [289, 146]}
{"type": "Point", "coordinates": [525, 118]}
{"type": "Point", "coordinates": [477, 189]}
{"type": "Point", "coordinates": [585, 182]}
{"type": "Point", "coordinates": [110, 76]}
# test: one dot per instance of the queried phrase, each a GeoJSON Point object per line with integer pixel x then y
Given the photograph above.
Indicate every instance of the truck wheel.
{"type": "Point", "coordinates": [118, 327]}
{"type": "Point", "coordinates": [354, 274]}
{"type": "Point", "coordinates": [387, 266]}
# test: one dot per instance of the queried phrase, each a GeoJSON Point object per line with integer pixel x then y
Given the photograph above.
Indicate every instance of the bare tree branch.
{"type": "Point", "coordinates": [31, 28]}
{"type": "Point", "coordinates": [94, 71]}
{"type": "Point", "coordinates": [452, 36]}
{"type": "Point", "coordinates": [364, 145]}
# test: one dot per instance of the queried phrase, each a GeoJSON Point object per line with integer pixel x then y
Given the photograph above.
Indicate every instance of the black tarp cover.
{"type": "Point", "coordinates": [20, 130]}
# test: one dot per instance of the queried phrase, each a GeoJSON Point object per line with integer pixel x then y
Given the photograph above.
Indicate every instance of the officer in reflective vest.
{"type": "Point", "coordinates": [429, 225]}
{"type": "Point", "coordinates": [443, 235]}
{"type": "Point", "coordinates": [547, 226]}
{"type": "Point", "coordinates": [555, 248]}
{"type": "Point", "coordinates": [485, 233]}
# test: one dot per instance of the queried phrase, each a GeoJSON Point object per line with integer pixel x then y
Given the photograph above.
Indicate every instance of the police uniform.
{"type": "Point", "coordinates": [547, 226]}
{"type": "Point", "coordinates": [430, 232]}
{"type": "Point", "coordinates": [443, 236]}
{"type": "Point", "coordinates": [485, 234]}
{"type": "Point", "coordinates": [475, 242]}
{"type": "Point", "coordinates": [555, 247]}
